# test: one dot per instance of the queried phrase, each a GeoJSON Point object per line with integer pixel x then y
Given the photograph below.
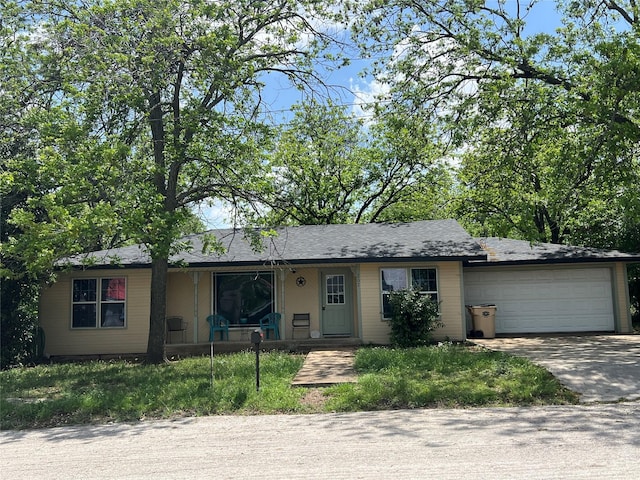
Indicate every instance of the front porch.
{"type": "Point", "coordinates": [290, 345]}
{"type": "Point", "coordinates": [312, 303]}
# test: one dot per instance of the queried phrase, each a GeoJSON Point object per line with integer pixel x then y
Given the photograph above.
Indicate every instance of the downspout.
{"type": "Point", "coordinates": [463, 308]}
{"type": "Point", "coordinates": [356, 271]}
{"type": "Point", "coordinates": [195, 276]}
{"type": "Point", "coordinates": [281, 307]}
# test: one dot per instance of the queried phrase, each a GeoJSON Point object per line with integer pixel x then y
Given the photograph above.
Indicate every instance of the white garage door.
{"type": "Point", "coordinates": [548, 300]}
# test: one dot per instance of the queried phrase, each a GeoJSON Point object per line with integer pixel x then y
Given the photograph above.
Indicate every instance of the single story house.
{"type": "Point", "coordinates": [339, 276]}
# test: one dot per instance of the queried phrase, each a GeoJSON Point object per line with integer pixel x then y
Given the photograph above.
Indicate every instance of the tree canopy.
{"type": "Point", "coordinates": [544, 123]}
{"type": "Point", "coordinates": [327, 166]}
{"type": "Point", "coordinates": [152, 106]}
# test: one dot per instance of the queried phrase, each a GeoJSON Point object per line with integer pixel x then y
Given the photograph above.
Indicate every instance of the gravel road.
{"type": "Point", "coordinates": [593, 441]}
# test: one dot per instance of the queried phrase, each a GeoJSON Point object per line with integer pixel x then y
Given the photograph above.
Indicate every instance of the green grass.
{"type": "Point", "coordinates": [448, 375]}
{"type": "Point", "coordinates": [121, 391]}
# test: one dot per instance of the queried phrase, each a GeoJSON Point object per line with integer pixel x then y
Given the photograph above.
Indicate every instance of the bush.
{"type": "Point", "coordinates": [413, 317]}
{"type": "Point", "coordinates": [20, 338]}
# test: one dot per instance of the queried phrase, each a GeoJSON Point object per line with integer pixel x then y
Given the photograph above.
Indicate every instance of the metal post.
{"type": "Point", "coordinates": [257, 367]}
{"type": "Point", "coordinates": [211, 364]}
{"type": "Point", "coordinates": [256, 339]}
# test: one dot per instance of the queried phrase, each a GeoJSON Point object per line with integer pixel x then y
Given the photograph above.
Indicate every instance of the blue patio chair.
{"type": "Point", "coordinates": [271, 321]}
{"type": "Point", "coordinates": [217, 323]}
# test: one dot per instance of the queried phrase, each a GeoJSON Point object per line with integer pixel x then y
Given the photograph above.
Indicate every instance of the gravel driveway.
{"type": "Point", "coordinates": [577, 442]}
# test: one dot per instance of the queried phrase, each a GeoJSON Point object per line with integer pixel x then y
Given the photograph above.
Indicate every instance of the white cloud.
{"type": "Point", "coordinates": [366, 95]}
{"type": "Point", "coordinates": [215, 214]}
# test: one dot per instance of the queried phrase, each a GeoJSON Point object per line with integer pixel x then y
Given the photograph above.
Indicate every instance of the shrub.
{"type": "Point", "coordinates": [21, 342]}
{"type": "Point", "coordinates": [413, 317]}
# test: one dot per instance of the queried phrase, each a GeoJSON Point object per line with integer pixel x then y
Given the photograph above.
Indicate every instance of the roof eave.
{"type": "Point", "coordinates": [333, 261]}
{"type": "Point", "coordinates": [552, 261]}
{"type": "Point", "coordinates": [285, 262]}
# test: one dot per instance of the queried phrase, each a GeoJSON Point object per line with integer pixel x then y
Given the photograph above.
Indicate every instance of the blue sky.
{"type": "Point", "coordinates": [352, 87]}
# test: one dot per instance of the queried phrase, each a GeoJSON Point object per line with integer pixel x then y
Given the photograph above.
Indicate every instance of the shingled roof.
{"type": "Point", "coordinates": [521, 252]}
{"type": "Point", "coordinates": [380, 242]}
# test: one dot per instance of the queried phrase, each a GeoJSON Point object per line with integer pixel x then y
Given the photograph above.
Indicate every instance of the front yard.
{"type": "Point", "coordinates": [122, 391]}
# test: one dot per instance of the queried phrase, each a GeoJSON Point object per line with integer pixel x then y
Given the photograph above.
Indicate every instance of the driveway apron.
{"type": "Point", "coordinates": [601, 368]}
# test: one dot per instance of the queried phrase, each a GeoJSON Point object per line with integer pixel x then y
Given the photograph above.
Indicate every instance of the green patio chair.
{"type": "Point", "coordinates": [271, 321]}
{"type": "Point", "coordinates": [217, 323]}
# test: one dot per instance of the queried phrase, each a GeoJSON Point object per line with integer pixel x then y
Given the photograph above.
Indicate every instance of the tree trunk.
{"type": "Point", "coordinates": [159, 258]}
{"type": "Point", "coordinates": [155, 347]}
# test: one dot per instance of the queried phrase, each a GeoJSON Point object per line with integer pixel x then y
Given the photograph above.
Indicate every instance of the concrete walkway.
{"type": "Point", "coordinates": [602, 368]}
{"type": "Point", "coordinates": [326, 367]}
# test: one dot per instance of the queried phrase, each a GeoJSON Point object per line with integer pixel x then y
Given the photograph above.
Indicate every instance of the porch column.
{"type": "Point", "coordinates": [356, 274]}
{"type": "Point", "coordinates": [282, 274]}
{"type": "Point", "coordinates": [195, 276]}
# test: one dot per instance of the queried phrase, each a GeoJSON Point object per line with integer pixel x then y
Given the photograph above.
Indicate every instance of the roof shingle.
{"type": "Point", "coordinates": [508, 251]}
{"type": "Point", "coordinates": [425, 240]}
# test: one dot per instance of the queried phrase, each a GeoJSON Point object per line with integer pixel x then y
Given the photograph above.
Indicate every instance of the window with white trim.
{"type": "Point", "coordinates": [98, 302]}
{"type": "Point", "coordinates": [425, 280]}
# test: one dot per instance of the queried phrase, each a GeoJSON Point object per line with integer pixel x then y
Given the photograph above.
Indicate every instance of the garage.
{"type": "Point", "coordinates": [550, 288]}
{"type": "Point", "coordinates": [544, 299]}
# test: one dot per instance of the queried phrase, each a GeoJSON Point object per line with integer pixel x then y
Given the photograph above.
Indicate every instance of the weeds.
{"type": "Point", "coordinates": [446, 376]}
{"type": "Point", "coordinates": [119, 391]}
{"type": "Point", "coordinates": [98, 392]}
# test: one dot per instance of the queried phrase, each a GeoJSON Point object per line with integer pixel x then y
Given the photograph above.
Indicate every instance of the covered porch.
{"type": "Point", "coordinates": [307, 305]}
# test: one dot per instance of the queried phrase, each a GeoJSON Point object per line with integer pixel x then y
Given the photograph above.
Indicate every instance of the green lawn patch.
{"type": "Point", "coordinates": [447, 375]}
{"type": "Point", "coordinates": [122, 391]}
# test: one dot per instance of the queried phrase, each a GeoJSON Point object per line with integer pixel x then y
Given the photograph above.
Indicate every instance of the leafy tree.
{"type": "Point", "coordinates": [318, 171]}
{"type": "Point", "coordinates": [544, 174]}
{"type": "Point", "coordinates": [21, 174]}
{"type": "Point", "coordinates": [418, 180]}
{"type": "Point", "coordinates": [329, 167]}
{"type": "Point", "coordinates": [159, 108]}
{"type": "Point", "coordinates": [544, 124]}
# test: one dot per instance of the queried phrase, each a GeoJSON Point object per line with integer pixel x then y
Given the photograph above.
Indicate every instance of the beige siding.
{"type": "Point", "coordinates": [621, 298]}
{"type": "Point", "coordinates": [305, 299]}
{"type": "Point", "coordinates": [376, 330]}
{"type": "Point", "coordinates": [61, 339]}
{"type": "Point", "coordinates": [181, 302]}
{"type": "Point", "coordinates": [55, 317]}
{"type": "Point", "coordinates": [450, 292]}
{"type": "Point", "coordinates": [180, 299]}
{"type": "Point", "coordinates": [205, 305]}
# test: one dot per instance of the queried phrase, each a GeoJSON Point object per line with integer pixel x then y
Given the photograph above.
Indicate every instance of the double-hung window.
{"type": "Point", "coordinates": [425, 280]}
{"type": "Point", "coordinates": [98, 302]}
